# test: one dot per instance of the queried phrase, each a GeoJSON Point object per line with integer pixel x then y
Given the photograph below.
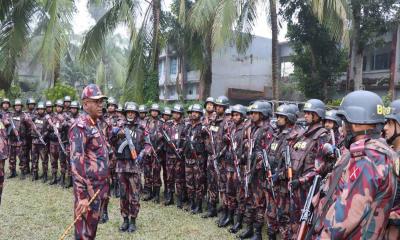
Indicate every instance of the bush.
{"type": "Point", "coordinates": [59, 91]}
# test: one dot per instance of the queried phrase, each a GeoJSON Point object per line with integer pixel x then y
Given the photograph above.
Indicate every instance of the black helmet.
{"type": "Point", "coordinates": [239, 109]}
{"type": "Point", "coordinates": [49, 103]}
{"type": "Point", "coordinates": [143, 109]}
{"type": "Point", "coordinates": [316, 106]}
{"type": "Point", "coordinates": [67, 99]}
{"type": "Point", "coordinates": [332, 115]}
{"type": "Point", "coordinates": [222, 101]}
{"type": "Point", "coordinates": [228, 111]}
{"type": "Point", "coordinates": [209, 100]}
{"type": "Point", "coordinates": [5, 100]}
{"type": "Point", "coordinates": [59, 103]}
{"type": "Point", "coordinates": [120, 108]}
{"type": "Point", "coordinates": [155, 107]}
{"type": "Point", "coordinates": [196, 108]}
{"type": "Point", "coordinates": [189, 110]}
{"type": "Point", "coordinates": [40, 105]}
{"type": "Point", "coordinates": [74, 104]}
{"type": "Point", "coordinates": [363, 107]}
{"type": "Point", "coordinates": [111, 101]}
{"type": "Point", "coordinates": [178, 109]}
{"type": "Point", "coordinates": [131, 106]}
{"type": "Point", "coordinates": [288, 111]}
{"type": "Point", "coordinates": [262, 107]}
{"type": "Point", "coordinates": [167, 111]}
{"type": "Point", "coordinates": [18, 102]}
{"type": "Point", "coordinates": [394, 111]}
{"type": "Point", "coordinates": [30, 101]}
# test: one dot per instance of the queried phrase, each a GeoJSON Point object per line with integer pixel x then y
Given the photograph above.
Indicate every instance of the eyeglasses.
{"type": "Point", "coordinates": [96, 101]}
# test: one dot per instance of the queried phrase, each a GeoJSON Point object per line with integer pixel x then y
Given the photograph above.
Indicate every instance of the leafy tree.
{"type": "Point", "coordinates": [59, 91]}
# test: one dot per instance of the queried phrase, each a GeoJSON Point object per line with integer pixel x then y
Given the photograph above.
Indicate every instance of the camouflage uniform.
{"type": "Point", "coordinates": [20, 122]}
{"type": "Point", "coordinates": [3, 154]}
{"type": "Point", "coordinates": [38, 148]}
{"type": "Point", "coordinates": [27, 149]}
{"type": "Point", "coordinates": [89, 164]}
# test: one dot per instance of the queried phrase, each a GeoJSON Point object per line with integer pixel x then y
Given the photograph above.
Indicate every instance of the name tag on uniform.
{"type": "Point", "coordinates": [38, 121]}
{"type": "Point", "coordinates": [176, 136]}
{"type": "Point", "coordinates": [300, 145]}
{"type": "Point", "coordinates": [17, 118]}
{"type": "Point", "coordinates": [1, 125]}
{"type": "Point", "coordinates": [214, 128]}
{"type": "Point", "coordinates": [274, 146]}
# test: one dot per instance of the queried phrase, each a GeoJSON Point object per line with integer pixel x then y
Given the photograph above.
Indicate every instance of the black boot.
{"type": "Point", "coordinates": [23, 175]}
{"type": "Point", "coordinates": [104, 216]}
{"type": "Point", "coordinates": [54, 179]}
{"type": "Point", "coordinates": [148, 194]}
{"type": "Point", "coordinates": [116, 188]}
{"type": "Point", "coordinates": [13, 174]}
{"type": "Point", "coordinates": [179, 201]}
{"type": "Point", "coordinates": [223, 217]}
{"type": "Point", "coordinates": [156, 195]}
{"type": "Point", "coordinates": [44, 177]}
{"type": "Point", "coordinates": [191, 205]}
{"type": "Point", "coordinates": [257, 234]}
{"type": "Point", "coordinates": [125, 225]}
{"type": "Point", "coordinates": [238, 224]}
{"type": "Point", "coordinates": [35, 176]}
{"type": "Point", "coordinates": [69, 182]}
{"type": "Point", "coordinates": [169, 200]}
{"type": "Point", "coordinates": [211, 212]}
{"type": "Point", "coordinates": [271, 236]}
{"type": "Point", "coordinates": [62, 180]}
{"type": "Point", "coordinates": [247, 233]}
{"type": "Point", "coordinates": [229, 220]}
{"type": "Point", "coordinates": [132, 225]}
{"type": "Point", "coordinates": [199, 207]}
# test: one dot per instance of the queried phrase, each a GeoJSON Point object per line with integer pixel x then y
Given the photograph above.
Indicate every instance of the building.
{"type": "Point", "coordinates": [241, 77]}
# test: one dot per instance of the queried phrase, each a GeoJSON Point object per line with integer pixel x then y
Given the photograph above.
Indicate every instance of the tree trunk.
{"type": "Point", "coordinates": [156, 29]}
{"type": "Point", "coordinates": [181, 78]}
{"type": "Point", "coordinates": [392, 90]}
{"type": "Point", "coordinates": [5, 82]}
{"type": "Point", "coordinates": [314, 68]}
{"type": "Point", "coordinates": [275, 63]}
{"type": "Point", "coordinates": [56, 73]}
{"type": "Point", "coordinates": [206, 72]}
{"type": "Point", "coordinates": [356, 63]}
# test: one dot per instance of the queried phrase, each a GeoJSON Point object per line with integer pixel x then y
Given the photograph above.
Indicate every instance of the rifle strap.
{"type": "Point", "coordinates": [338, 174]}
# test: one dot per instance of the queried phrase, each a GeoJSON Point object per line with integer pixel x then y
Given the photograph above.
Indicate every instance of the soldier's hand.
{"type": "Point", "coordinates": [294, 184]}
{"type": "Point", "coordinates": [82, 206]}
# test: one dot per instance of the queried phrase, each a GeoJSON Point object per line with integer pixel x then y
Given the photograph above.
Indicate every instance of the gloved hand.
{"type": "Point", "coordinates": [139, 158]}
{"type": "Point", "coordinates": [275, 177]}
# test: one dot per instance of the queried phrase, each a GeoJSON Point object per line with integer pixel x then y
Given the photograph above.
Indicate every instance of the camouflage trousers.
{"type": "Point", "coordinates": [86, 226]}
{"type": "Point", "coordinates": [27, 150]}
{"type": "Point", "coordinates": [195, 178]}
{"type": "Point", "coordinates": [16, 151]}
{"type": "Point", "coordinates": [39, 151]}
{"type": "Point", "coordinates": [277, 211]}
{"type": "Point", "coordinates": [151, 170]}
{"type": "Point", "coordinates": [230, 200]}
{"type": "Point", "coordinates": [2, 162]}
{"type": "Point", "coordinates": [65, 164]}
{"type": "Point", "coordinates": [54, 149]}
{"type": "Point", "coordinates": [255, 201]}
{"type": "Point", "coordinates": [222, 180]}
{"type": "Point", "coordinates": [240, 193]}
{"type": "Point", "coordinates": [130, 194]}
{"type": "Point", "coordinates": [175, 174]}
{"type": "Point", "coordinates": [163, 162]}
{"type": "Point", "coordinates": [212, 182]}
{"type": "Point", "coordinates": [299, 198]}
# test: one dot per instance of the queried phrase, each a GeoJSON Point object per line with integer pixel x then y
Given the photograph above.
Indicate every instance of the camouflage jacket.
{"type": "Point", "coordinates": [176, 132]}
{"type": "Point", "coordinates": [364, 194]}
{"type": "Point", "coordinates": [40, 126]}
{"type": "Point", "coordinates": [20, 120]}
{"type": "Point", "coordinates": [261, 134]}
{"type": "Point", "coordinates": [3, 142]}
{"type": "Point", "coordinates": [194, 142]}
{"type": "Point", "coordinates": [89, 156]}
{"type": "Point", "coordinates": [57, 121]}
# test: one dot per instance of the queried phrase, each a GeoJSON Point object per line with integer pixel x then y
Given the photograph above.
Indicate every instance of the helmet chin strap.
{"type": "Point", "coordinates": [351, 135]}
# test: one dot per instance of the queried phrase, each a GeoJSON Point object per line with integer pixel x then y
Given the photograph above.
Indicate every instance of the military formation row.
{"type": "Point", "coordinates": [334, 178]}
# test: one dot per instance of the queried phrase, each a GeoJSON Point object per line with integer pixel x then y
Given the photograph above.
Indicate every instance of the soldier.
{"type": "Point", "coordinates": [166, 115]}
{"type": "Point", "coordinates": [120, 111]}
{"type": "Point", "coordinates": [17, 125]}
{"type": "Point", "coordinates": [27, 149]}
{"type": "Point", "coordinates": [332, 122]}
{"type": "Point", "coordinates": [392, 135]}
{"type": "Point", "coordinates": [235, 187]}
{"type": "Point", "coordinates": [259, 136]}
{"type": "Point", "coordinates": [174, 135]}
{"type": "Point", "coordinates": [57, 125]}
{"type": "Point", "coordinates": [67, 104]}
{"type": "Point", "coordinates": [39, 149]}
{"type": "Point", "coordinates": [228, 114]}
{"type": "Point", "coordinates": [49, 108]}
{"type": "Point", "coordinates": [359, 193]}
{"type": "Point", "coordinates": [5, 105]}
{"type": "Point", "coordinates": [74, 109]}
{"type": "Point", "coordinates": [307, 158]}
{"type": "Point", "coordinates": [277, 211]}
{"type": "Point", "coordinates": [194, 152]}
{"type": "Point", "coordinates": [133, 146]}
{"type": "Point", "coordinates": [89, 164]}
{"type": "Point", "coordinates": [3, 152]}
{"type": "Point", "coordinates": [152, 168]}
{"type": "Point", "coordinates": [209, 106]}
{"type": "Point", "coordinates": [143, 112]}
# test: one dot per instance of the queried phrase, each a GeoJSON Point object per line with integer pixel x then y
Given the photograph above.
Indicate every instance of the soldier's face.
{"type": "Point", "coordinates": [281, 121]}
{"type": "Point", "coordinates": [18, 108]}
{"type": "Point", "coordinates": [390, 129]}
{"type": "Point", "coordinates": [329, 124]}
{"type": "Point", "coordinates": [41, 111]}
{"type": "Point", "coordinates": [255, 116]}
{"type": "Point", "coordinates": [236, 117]}
{"type": "Point", "coordinates": [49, 109]}
{"type": "Point", "coordinates": [74, 111]}
{"type": "Point", "coordinates": [142, 115]}
{"type": "Point", "coordinates": [166, 117]}
{"type": "Point", "coordinates": [111, 108]}
{"type": "Point", "coordinates": [67, 104]}
{"type": "Point", "coordinates": [130, 115]}
{"type": "Point", "coordinates": [195, 115]}
{"type": "Point", "coordinates": [154, 114]}
{"type": "Point", "coordinates": [176, 116]}
{"type": "Point", "coordinates": [5, 106]}
{"type": "Point", "coordinates": [59, 109]}
{"type": "Point", "coordinates": [31, 106]}
{"type": "Point", "coordinates": [220, 110]}
{"type": "Point", "coordinates": [94, 107]}
{"type": "Point", "coordinates": [210, 107]}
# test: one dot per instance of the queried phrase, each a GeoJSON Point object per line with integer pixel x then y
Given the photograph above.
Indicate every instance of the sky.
{"type": "Point", "coordinates": [82, 21]}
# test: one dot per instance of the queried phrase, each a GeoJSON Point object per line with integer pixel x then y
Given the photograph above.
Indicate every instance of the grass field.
{"type": "Point", "coordinates": [33, 210]}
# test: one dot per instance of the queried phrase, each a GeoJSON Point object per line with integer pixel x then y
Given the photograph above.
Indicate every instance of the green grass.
{"type": "Point", "coordinates": [33, 210]}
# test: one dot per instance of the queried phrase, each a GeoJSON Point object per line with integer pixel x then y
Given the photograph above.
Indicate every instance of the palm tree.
{"type": "Point", "coordinates": [275, 49]}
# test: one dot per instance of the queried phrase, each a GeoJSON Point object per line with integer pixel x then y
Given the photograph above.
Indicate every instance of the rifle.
{"type": "Point", "coordinates": [248, 166]}
{"type": "Point", "coordinates": [57, 133]}
{"type": "Point", "coordinates": [37, 132]}
{"type": "Point", "coordinates": [215, 161]}
{"type": "Point", "coordinates": [171, 144]}
{"type": "Point", "coordinates": [235, 158]}
{"type": "Point", "coordinates": [267, 168]}
{"type": "Point", "coordinates": [14, 128]}
{"type": "Point", "coordinates": [307, 211]}
{"type": "Point", "coordinates": [337, 151]}
{"type": "Point", "coordinates": [132, 148]}
{"type": "Point", "coordinates": [288, 163]}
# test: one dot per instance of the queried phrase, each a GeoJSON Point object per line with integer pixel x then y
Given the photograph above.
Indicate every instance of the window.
{"type": "Point", "coordinates": [174, 65]}
{"type": "Point", "coordinates": [160, 68]}
{"type": "Point", "coordinates": [364, 63]}
{"type": "Point", "coordinates": [380, 61]}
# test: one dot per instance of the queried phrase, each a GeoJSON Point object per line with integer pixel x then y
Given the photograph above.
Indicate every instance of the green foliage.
{"type": "Point", "coordinates": [14, 92]}
{"type": "Point", "coordinates": [2, 93]}
{"type": "Point", "coordinates": [387, 99]}
{"type": "Point", "coordinates": [335, 102]}
{"type": "Point", "coordinates": [151, 87]}
{"type": "Point", "coordinates": [59, 91]}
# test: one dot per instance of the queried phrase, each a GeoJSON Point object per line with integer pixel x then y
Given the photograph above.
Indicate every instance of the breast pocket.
{"type": "Point", "coordinates": [94, 141]}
